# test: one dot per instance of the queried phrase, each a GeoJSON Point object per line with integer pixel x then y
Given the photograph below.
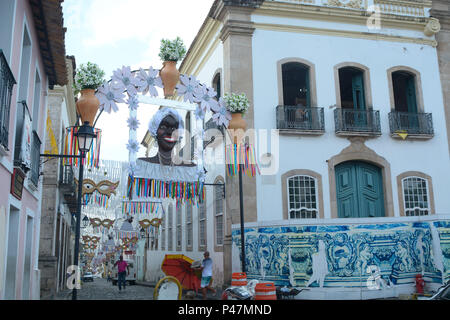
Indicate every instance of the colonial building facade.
{"type": "Point", "coordinates": [32, 60]}
{"type": "Point", "coordinates": [351, 94]}
{"type": "Point", "coordinates": [59, 192]}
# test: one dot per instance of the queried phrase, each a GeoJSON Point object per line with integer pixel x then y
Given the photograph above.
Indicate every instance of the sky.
{"type": "Point", "coordinates": [116, 33]}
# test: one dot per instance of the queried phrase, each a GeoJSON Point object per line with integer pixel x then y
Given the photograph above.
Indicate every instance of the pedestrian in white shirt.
{"type": "Point", "coordinates": [206, 269]}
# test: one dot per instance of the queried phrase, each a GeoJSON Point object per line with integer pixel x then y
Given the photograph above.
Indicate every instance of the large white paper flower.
{"type": "Point", "coordinates": [133, 123]}
{"type": "Point", "coordinates": [206, 98]}
{"type": "Point", "coordinates": [148, 80]}
{"type": "Point", "coordinates": [133, 146]}
{"type": "Point", "coordinates": [125, 80]}
{"type": "Point", "coordinates": [133, 103]}
{"type": "Point", "coordinates": [222, 116]}
{"type": "Point", "coordinates": [188, 87]}
{"type": "Point", "coordinates": [109, 96]}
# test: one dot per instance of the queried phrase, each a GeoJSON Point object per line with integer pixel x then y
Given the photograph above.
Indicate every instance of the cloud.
{"type": "Point", "coordinates": [113, 33]}
{"type": "Point", "coordinates": [107, 22]}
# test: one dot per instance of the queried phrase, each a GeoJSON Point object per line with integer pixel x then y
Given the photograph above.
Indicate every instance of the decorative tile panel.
{"type": "Point", "coordinates": [396, 251]}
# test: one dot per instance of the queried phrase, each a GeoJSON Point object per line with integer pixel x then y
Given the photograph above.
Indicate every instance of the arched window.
{"type": "Point", "coordinates": [296, 84]}
{"type": "Point", "coordinates": [202, 242]}
{"type": "Point", "coordinates": [403, 85]}
{"type": "Point", "coordinates": [351, 86]}
{"type": "Point", "coordinates": [302, 197]}
{"type": "Point", "coordinates": [189, 234]}
{"type": "Point", "coordinates": [187, 123]}
{"type": "Point", "coordinates": [217, 85]}
{"type": "Point", "coordinates": [163, 233]}
{"type": "Point", "coordinates": [179, 231]}
{"type": "Point", "coordinates": [218, 215]}
{"type": "Point", "coordinates": [416, 197]}
{"type": "Point", "coordinates": [170, 228]}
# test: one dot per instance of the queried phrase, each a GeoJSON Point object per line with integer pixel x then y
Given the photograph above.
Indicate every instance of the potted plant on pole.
{"type": "Point", "coordinates": [88, 78]}
{"type": "Point", "coordinates": [170, 52]}
{"type": "Point", "coordinates": [237, 104]}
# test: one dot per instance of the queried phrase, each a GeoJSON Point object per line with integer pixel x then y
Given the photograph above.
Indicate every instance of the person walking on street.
{"type": "Point", "coordinates": [122, 268]}
{"type": "Point", "coordinates": [206, 269]}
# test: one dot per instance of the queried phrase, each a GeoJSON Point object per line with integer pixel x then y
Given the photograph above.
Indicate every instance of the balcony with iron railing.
{"type": "Point", "coordinates": [351, 122]}
{"type": "Point", "coordinates": [67, 185]}
{"type": "Point", "coordinates": [35, 158]}
{"type": "Point", "coordinates": [7, 83]}
{"type": "Point", "coordinates": [414, 125]}
{"type": "Point", "coordinates": [300, 120]}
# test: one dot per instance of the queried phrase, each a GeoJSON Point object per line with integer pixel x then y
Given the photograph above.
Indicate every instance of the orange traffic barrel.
{"type": "Point", "coordinates": [239, 279]}
{"type": "Point", "coordinates": [265, 291]}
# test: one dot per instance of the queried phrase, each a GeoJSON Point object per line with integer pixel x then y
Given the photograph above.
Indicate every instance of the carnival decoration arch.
{"type": "Point", "coordinates": [148, 183]}
{"type": "Point", "coordinates": [197, 97]}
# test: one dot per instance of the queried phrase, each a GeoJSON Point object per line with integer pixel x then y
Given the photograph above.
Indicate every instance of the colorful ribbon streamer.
{"type": "Point", "coordinates": [241, 157]}
{"type": "Point", "coordinates": [191, 192]}
{"type": "Point", "coordinates": [92, 158]}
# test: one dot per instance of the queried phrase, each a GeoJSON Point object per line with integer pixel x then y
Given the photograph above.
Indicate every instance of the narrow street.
{"type": "Point", "coordinates": [101, 289]}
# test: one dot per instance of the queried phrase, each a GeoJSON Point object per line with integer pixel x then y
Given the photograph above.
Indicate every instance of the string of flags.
{"type": "Point", "coordinates": [135, 207]}
{"type": "Point", "coordinates": [191, 192]}
{"type": "Point", "coordinates": [92, 158]}
{"type": "Point", "coordinates": [99, 199]}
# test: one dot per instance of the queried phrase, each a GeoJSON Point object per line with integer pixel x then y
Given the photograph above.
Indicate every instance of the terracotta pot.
{"type": "Point", "coordinates": [170, 76]}
{"type": "Point", "coordinates": [237, 122]}
{"type": "Point", "coordinates": [87, 105]}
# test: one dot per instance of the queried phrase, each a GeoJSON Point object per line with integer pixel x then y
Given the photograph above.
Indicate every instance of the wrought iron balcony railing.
{"type": "Point", "coordinates": [66, 176]}
{"type": "Point", "coordinates": [357, 122]}
{"type": "Point", "coordinates": [411, 123]}
{"type": "Point", "coordinates": [7, 83]}
{"type": "Point", "coordinates": [35, 158]}
{"type": "Point", "coordinates": [300, 119]}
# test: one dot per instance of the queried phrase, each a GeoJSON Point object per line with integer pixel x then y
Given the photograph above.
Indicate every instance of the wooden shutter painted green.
{"type": "Point", "coordinates": [359, 102]}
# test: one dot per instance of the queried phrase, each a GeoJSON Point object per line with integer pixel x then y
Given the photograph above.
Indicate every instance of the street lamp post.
{"type": "Point", "coordinates": [85, 135]}
{"type": "Point", "coordinates": [241, 206]}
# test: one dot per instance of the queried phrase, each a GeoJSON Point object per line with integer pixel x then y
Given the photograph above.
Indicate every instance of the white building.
{"type": "Point", "coordinates": [342, 82]}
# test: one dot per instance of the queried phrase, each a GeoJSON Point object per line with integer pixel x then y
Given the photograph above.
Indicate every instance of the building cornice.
{"type": "Point", "coordinates": [343, 33]}
{"type": "Point", "coordinates": [343, 15]}
{"type": "Point", "coordinates": [204, 38]}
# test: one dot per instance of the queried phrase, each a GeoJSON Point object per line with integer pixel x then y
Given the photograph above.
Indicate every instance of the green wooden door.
{"type": "Point", "coordinates": [359, 190]}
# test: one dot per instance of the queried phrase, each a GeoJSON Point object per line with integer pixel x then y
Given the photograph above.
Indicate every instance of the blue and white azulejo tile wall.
{"type": "Point", "coordinates": [347, 255]}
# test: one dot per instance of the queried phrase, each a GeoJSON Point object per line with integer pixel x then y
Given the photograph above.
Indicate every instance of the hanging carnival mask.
{"type": "Point", "coordinates": [104, 187]}
{"type": "Point", "coordinates": [95, 222]}
{"type": "Point", "coordinates": [107, 223]}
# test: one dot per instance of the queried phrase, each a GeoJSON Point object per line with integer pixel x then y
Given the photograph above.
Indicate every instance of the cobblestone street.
{"type": "Point", "coordinates": [100, 289]}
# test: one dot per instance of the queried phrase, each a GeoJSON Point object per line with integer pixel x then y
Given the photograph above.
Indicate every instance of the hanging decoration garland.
{"type": "Point", "coordinates": [92, 158]}
{"type": "Point", "coordinates": [191, 192]}
{"type": "Point", "coordinates": [131, 208]}
{"type": "Point", "coordinates": [241, 154]}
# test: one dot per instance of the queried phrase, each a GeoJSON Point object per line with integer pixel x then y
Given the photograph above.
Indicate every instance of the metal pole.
{"type": "Point", "coordinates": [77, 228]}
{"type": "Point", "coordinates": [241, 203]}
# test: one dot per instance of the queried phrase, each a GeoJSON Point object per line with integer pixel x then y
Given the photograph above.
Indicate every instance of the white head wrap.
{"type": "Point", "coordinates": [160, 115]}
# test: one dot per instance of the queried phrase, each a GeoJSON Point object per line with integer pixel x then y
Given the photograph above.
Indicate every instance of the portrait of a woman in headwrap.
{"type": "Point", "coordinates": [167, 128]}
